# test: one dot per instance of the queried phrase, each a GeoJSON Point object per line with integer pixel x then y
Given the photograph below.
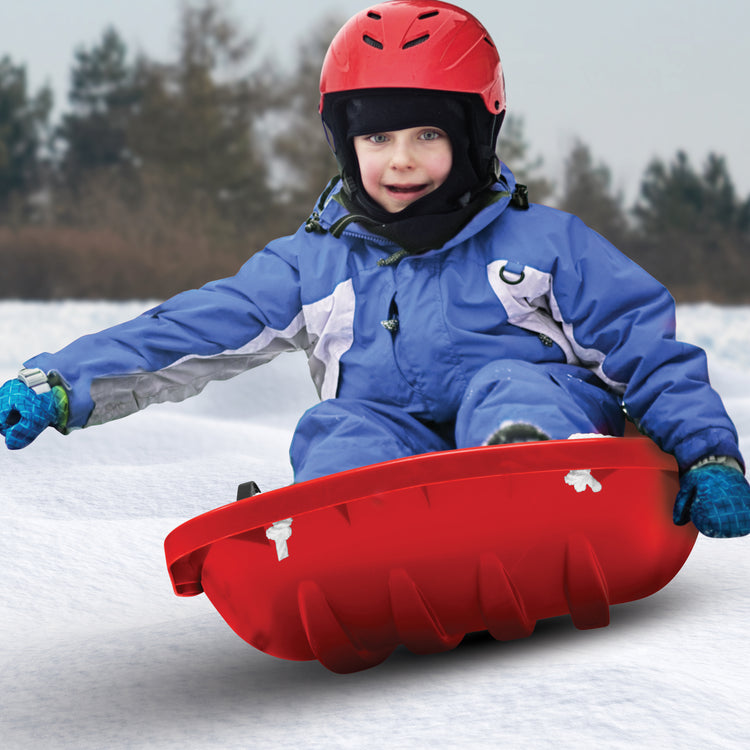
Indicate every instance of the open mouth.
{"type": "Point", "coordinates": [406, 189]}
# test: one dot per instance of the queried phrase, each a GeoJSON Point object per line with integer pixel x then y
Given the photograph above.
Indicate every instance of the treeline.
{"type": "Point", "coordinates": [161, 175]}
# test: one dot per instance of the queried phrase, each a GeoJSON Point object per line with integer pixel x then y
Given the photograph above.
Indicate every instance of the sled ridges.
{"type": "Point", "coordinates": [419, 628]}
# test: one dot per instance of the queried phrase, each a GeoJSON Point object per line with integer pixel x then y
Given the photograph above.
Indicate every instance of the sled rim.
{"type": "Point", "coordinates": [187, 545]}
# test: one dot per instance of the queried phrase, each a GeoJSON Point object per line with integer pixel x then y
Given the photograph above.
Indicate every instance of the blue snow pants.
{"type": "Point", "coordinates": [560, 399]}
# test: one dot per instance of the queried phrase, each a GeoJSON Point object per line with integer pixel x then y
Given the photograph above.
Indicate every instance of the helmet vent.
{"type": "Point", "coordinates": [375, 16]}
{"type": "Point", "coordinates": [415, 42]}
{"type": "Point", "coordinates": [372, 42]}
{"type": "Point", "coordinates": [489, 41]}
{"type": "Point", "coordinates": [429, 14]}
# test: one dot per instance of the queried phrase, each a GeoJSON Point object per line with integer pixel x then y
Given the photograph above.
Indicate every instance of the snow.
{"type": "Point", "coordinates": [97, 652]}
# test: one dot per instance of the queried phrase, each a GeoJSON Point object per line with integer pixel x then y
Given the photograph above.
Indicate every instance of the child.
{"type": "Point", "coordinates": [438, 308]}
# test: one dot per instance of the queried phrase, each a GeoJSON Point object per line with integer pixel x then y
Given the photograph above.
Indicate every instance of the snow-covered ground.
{"type": "Point", "coordinates": [98, 653]}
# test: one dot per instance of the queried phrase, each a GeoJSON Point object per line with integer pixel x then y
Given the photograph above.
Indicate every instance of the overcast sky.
{"type": "Point", "coordinates": [633, 80]}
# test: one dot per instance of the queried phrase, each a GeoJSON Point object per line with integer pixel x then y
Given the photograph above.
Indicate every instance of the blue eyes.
{"type": "Point", "coordinates": [427, 135]}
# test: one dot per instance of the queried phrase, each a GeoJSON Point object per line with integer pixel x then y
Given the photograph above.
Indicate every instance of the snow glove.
{"type": "Point", "coordinates": [715, 496]}
{"type": "Point", "coordinates": [24, 414]}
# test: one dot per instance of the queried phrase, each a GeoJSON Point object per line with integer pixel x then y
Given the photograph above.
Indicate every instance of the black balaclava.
{"type": "Point", "coordinates": [431, 220]}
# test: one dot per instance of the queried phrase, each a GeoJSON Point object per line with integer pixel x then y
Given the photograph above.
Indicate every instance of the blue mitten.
{"type": "Point", "coordinates": [25, 413]}
{"type": "Point", "coordinates": [716, 498]}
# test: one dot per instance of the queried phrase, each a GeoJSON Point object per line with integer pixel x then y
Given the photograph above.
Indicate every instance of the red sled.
{"type": "Point", "coordinates": [423, 550]}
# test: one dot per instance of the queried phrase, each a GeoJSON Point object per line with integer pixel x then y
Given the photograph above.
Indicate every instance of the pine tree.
{"type": "Point", "coordinates": [104, 99]}
{"type": "Point", "coordinates": [304, 162]}
{"type": "Point", "coordinates": [24, 122]}
{"type": "Point", "coordinates": [513, 149]}
{"type": "Point", "coordinates": [694, 231]}
{"type": "Point", "coordinates": [195, 133]}
{"type": "Point", "coordinates": [587, 193]}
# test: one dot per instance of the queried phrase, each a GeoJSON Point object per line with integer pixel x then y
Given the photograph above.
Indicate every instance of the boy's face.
{"type": "Point", "coordinates": [400, 166]}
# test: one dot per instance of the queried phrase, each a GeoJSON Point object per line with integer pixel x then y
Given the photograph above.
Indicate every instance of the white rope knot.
{"type": "Point", "coordinates": [279, 533]}
{"type": "Point", "coordinates": [581, 480]}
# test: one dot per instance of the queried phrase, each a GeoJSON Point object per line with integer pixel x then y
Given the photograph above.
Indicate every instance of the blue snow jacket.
{"type": "Point", "coordinates": [534, 285]}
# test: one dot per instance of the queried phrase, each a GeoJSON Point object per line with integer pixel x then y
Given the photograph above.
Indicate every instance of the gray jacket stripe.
{"type": "Point", "coordinates": [119, 395]}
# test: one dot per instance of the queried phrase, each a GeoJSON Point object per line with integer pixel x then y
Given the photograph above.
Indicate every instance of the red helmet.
{"type": "Point", "coordinates": [415, 44]}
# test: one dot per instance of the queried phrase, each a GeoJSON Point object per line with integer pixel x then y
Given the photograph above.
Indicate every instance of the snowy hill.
{"type": "Point", "coordinates": [98, 653]}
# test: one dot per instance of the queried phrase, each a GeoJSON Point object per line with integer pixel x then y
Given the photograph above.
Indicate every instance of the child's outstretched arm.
{"type": "Point", "coordinates": [166, 354]}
